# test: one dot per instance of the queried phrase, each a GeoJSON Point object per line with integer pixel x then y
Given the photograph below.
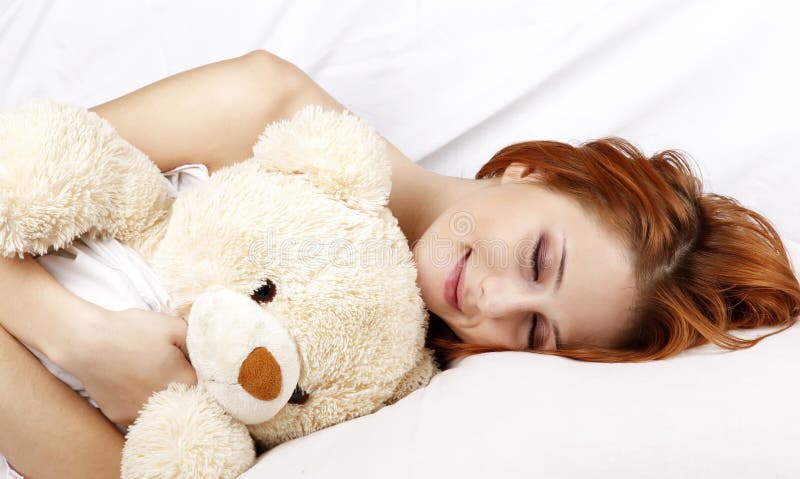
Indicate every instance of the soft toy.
{"type": "Point", "coordinates": [296, 281]}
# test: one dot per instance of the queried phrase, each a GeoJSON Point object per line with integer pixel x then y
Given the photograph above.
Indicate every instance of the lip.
{"type": "Point", "coordinates": [453, 287]}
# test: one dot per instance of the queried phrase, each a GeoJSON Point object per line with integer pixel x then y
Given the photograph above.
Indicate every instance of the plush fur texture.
{"type": "Point", "coordinates": [305, 219]}
{"type": "Point", "coordinates": [65, 173]}
{"type": "Point", "coordinates": [188, 435]}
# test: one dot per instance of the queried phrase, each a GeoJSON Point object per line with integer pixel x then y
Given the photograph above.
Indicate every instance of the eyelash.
{"type": "Point", "coordinates": [532, 334]}
{"type": "Point", "coordinates": [534, 259]}
{"type": "Point", "coordinates": [534, 263]}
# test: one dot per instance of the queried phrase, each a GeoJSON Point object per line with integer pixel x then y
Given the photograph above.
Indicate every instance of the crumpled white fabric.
{"type": "Point", "coordinates": [111, 275]}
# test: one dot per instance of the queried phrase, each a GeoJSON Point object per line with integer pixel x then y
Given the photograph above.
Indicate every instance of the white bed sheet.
{"type": "Point", "coordinates": [450, 83]}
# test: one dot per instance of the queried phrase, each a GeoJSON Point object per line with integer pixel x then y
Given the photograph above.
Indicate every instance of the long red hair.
{"type": "Point", "coordinates": [704, 263]}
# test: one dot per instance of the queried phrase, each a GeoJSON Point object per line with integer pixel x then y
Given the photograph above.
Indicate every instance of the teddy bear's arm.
{"type": "Point", "coordinates": [182, 432]}
{"type": "Point", "coordinates": [417, 377]}
{"type": "Point", "coordinates": [65, 172]}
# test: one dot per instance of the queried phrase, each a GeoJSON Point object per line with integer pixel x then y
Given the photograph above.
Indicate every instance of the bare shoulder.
{"type": "Point", "coordinates": [408, 178]}
{"type": "Point", "coordinates": [210, 114]}
{"type": "Point", "coordinates": [305, 91]}
{"type": "Point", "coordinates": [213, 114]}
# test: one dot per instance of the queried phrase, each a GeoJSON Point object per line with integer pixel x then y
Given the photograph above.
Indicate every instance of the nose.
{"type": "Point", "coordinates": [498, 297]}
{"type": "Point", "coordinates": [260, 375]}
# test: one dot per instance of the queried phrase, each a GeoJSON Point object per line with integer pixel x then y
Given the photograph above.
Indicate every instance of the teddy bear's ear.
{"type": "Point", "coordinates": [417, 377]}
{"type": "Point", "coordinates": [337, 151]}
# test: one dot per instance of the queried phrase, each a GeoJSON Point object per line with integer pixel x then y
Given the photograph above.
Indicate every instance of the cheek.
{"type": "Point", "coordinates": [431, 273]}
{"type": "Point", "coordinates": [426, 273]}
{"type": "Point", "coordinates": [434, 258]}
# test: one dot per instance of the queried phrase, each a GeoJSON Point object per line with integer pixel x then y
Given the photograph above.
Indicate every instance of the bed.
{"type": "Point", "coordinates": [450, 83]}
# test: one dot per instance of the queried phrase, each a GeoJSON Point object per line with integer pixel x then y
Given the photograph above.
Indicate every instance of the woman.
{"type": "Point", "coordinates": [593, 253]}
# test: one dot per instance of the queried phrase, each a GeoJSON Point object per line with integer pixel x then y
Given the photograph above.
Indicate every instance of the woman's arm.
{"type": "Point", "coordinates": [46, 430]}
{"type": "Point", "coordinates": [213, 115]}
{"type": "Point", "coordinates": [38, 310]}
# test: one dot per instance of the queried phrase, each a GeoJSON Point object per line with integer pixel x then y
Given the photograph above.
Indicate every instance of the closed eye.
{"type": "Point", "coordinates": [532, 333]}
{"type": "Point", "coordinates": [539, 332]}
{"type": "Point", "coordinates": [534, 259]}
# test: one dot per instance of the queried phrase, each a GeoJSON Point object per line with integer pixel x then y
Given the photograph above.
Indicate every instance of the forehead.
{"type": "Point", "coordinates": [593, 303]}
{"type": "Point", "coordinates": [598, 289]}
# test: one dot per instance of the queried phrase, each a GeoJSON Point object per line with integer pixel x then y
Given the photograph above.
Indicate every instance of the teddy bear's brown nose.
{"type": "Point", "coordinates": [260, 375]}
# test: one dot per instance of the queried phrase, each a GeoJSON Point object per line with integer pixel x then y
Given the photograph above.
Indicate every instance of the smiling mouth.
{"type": "Point", "coordinates": [453, 289]}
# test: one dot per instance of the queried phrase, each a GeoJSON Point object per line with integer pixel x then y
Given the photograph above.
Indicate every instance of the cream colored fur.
{"type": "Point", "coordinates": [65, 173]}
{"type": "Point", "coordinates": [308, 212]}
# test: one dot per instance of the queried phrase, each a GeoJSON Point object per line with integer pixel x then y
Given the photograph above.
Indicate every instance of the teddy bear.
{"type": "Point", "coordinates": [296, 282]}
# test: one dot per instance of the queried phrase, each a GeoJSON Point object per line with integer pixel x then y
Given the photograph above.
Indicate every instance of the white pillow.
{"type": "Point", "coordinates": [704, 413]}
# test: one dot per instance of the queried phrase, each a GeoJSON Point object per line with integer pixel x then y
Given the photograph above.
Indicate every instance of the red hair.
{"type": "Point", "coordinates": [704, 264]}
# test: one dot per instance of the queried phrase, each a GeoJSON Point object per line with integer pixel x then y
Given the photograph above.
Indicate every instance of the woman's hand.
{"type": "Point", "coordinates": [123, 357]}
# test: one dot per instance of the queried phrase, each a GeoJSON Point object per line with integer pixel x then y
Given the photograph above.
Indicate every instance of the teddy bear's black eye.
{"type": "Point", "coordinates": [264, 293]}
{"type": "Point", "coordinates": [299, 396]}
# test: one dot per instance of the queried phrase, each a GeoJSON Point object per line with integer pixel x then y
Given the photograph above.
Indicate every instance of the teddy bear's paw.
{"type": "Point", "coordinates": [242, 354]}
{"type": "Point", "coordinates": [65, 172]}
{"type": "Point", "coordinates": [183, 433]}
{"type": "Point", "coordinates": [23, 229]}
{"type": "Point", "coordinates": [337, 151]}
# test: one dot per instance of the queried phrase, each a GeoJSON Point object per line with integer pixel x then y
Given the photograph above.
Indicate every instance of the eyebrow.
{"type": "Point", "coordinates": [560, 274]}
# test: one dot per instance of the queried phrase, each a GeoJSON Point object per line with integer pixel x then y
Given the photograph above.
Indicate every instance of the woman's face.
{"type": "Point", "coordinates": [580, 288]}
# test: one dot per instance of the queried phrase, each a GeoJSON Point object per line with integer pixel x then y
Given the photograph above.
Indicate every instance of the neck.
{"type": "Point", "coordinates": [424, 195]}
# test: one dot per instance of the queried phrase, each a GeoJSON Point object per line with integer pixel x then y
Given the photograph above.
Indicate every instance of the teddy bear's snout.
{"type": "Point", "coordinates": [260, 375]}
